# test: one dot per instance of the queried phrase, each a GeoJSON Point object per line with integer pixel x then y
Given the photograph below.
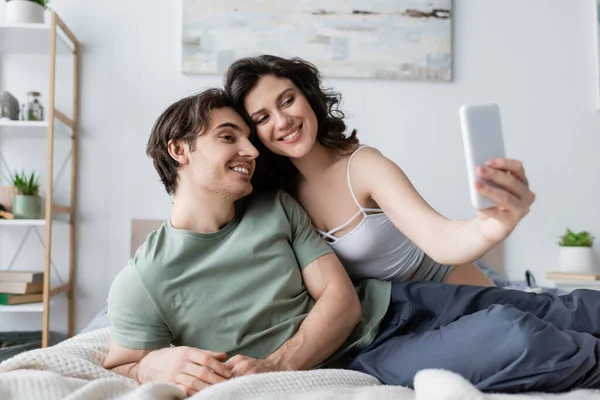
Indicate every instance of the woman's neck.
{"type": "Point", "coordinates": [318, 160]}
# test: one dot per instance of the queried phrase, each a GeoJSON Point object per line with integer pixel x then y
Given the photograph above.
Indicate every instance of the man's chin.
{"type": "Point", "coordinates": [245, 191]}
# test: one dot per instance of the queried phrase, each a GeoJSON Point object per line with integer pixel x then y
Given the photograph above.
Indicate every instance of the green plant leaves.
{"type": "Point", "coordinates": [28, 185]}
{"type": "Point", "coordinates": [579, 239]}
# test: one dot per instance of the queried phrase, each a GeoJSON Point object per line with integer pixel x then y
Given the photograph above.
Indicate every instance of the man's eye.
{"type": "Point", "coordinates": [228, 138]}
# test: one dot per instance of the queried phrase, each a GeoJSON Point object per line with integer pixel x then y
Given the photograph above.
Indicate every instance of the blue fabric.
{"type": "Point", "coordinates": [498, 339]}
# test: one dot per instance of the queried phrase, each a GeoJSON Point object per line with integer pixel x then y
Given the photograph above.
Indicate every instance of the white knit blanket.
{"type": "Point", "coordinates": [73, 370]}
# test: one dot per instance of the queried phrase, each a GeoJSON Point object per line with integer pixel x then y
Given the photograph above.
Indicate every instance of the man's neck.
{"type": "Point", "coordinates": [201, 212]}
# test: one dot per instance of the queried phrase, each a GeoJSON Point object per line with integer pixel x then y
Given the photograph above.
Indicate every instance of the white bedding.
{"type": "Point", "coordinates": [73, 370]}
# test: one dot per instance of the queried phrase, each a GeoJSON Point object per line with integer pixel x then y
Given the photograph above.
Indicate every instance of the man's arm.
{"type": "Point", "coordinates": [124, 361]}
{"type": "Point", "coordinates": [325, 328]}
{"type": "Point", "coordinates": [329, 323]}
{"type": "Point", "coordinates": [188, 368]}
{"type": "Point", "coordinates": [140, 339]}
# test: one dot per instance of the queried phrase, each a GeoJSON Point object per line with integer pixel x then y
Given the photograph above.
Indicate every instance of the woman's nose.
{"type": "Point", "coordinates": [283, 121]}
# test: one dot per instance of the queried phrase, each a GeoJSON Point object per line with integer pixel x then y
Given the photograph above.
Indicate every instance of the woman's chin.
{"type": "Point", "coordinates": [296, 150]}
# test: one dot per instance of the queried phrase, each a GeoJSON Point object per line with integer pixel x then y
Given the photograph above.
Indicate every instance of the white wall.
{"type": "Point", "coordinates": [535, 58]}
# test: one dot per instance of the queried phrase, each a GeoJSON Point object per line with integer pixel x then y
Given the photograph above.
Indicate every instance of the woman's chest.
{"type": "Point", "coordinates": [330, 204]}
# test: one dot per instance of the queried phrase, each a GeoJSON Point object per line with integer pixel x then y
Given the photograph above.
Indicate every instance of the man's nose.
{"type": "Point", "coordinates": [248, 149]}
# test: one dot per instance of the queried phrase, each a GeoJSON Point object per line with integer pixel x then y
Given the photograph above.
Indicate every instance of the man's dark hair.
{"type": "Point", "coordinates": [183, 121]}
{"type": "Point", "coordinates": [243, 75]}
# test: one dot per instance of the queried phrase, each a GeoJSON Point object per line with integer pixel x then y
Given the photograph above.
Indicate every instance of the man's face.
{"type": "Point", "coordinates": [224, 159]}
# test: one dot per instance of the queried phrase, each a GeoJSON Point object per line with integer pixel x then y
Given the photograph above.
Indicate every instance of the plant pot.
{"type": "Point", "coordinates": [577, 259]}
{"type": "Point", "coordinates": [27, 207]}
{"type": "Point", "coordinates": [24, 12]}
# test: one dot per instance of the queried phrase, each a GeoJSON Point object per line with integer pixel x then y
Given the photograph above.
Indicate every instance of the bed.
{"type": "Point", "coordinates": [73, 370]}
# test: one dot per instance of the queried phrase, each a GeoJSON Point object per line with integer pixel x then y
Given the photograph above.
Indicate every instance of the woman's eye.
{"type": "Point", "coordinates": [261, 120]}
{"type": "Point", "coordinates": [288, 101]}
{"type": "Point", "coordinates": [228, 138]}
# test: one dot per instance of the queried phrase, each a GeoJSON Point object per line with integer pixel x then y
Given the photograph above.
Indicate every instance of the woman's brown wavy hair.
{"type": "Point", "coordinates": [272, 170]}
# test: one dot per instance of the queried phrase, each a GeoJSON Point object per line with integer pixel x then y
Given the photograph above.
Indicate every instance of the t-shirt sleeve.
{"type": "Point", "coordinates": [135, 321]}
{"type": "Point", "coordinates": [306, 242]}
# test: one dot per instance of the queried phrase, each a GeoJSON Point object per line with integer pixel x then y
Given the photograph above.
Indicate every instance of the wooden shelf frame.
{"type": "Point", "coordinates": [62, 41]}
{"type": "Point", "coordinates": [57, 24]}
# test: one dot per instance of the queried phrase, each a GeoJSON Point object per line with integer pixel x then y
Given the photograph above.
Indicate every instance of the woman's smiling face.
{"type": "Point", "coordinates": [285, 122]}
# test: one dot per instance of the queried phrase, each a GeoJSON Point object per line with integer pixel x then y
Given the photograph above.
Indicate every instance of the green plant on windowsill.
{"type": "Point", "coordinates": [28, 203]}
{"type": "Point", "coordinates": [43, 3]}
{"type": "Point", "coordinates": [576, 239]}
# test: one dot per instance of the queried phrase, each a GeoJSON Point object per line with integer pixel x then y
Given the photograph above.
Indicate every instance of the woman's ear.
{"type": "Point", "coordinates": [177, 150]}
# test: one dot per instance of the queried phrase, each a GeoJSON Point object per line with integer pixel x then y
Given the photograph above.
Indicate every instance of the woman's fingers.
{"type": "Point", "coordinates": [507, 181]}
{"type": "Point", "coordinates": [500, 197]}
{"type": "Point", "coordinates": [515, 167]}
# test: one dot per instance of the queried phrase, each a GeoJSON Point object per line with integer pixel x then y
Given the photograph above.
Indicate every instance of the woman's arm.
{"type": "Point", "coordinates": [451, 242]}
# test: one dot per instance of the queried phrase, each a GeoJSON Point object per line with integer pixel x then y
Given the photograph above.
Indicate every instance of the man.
{"type": "Point", "coordinates": [242, 284]}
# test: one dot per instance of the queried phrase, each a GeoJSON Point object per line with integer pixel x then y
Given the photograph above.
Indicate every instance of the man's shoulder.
{"type": "Point", "coordinates": [266, 201]}
{"type": "Point", "coordinates": [152, 251]}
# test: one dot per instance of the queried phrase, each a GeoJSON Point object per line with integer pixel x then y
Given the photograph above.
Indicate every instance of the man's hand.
{"type": "Point", "coordinates": [241, 365]}
{"type": "Point", "coordinates": [189, 368]}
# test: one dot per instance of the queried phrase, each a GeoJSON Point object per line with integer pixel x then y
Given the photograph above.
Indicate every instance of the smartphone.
{"type": "Point", "coordinates": [482, 139]}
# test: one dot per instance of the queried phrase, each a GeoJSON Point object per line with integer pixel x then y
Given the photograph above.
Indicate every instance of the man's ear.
{"type": "Point", "coordinates": [177, 150]}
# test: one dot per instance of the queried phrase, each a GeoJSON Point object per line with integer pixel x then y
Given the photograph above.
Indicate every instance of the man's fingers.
{"type": "Point", "coordinates": [205, 374]}
{"type": "Point", "coordinates": [234, 361]}
{"type": "Point", "coordinates": [189, 383]}
{"type": "Point", "coordinates": [206, 359]}
{"type": "Point", "coordinates": [218, 356]}
{"type": "Point", "coordinates": [188, 392]}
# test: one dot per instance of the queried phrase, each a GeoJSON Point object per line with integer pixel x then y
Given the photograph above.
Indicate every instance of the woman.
{"type": "Point", "coordinates": [379, 227]}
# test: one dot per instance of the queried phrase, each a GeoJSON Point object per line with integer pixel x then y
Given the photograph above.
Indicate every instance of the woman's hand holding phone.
{"type": "Point", "coordinates": [512, 197]}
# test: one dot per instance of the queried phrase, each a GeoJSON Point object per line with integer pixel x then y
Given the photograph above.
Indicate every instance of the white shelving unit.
{"type": "Point", "coordinates": [35, 39]}
{"type": "Point", "coordinates": [32, 129]}
{"type": "Point", "coordinates": [52, 39]}
{"type": "Point", "coordinates": [28, 222]}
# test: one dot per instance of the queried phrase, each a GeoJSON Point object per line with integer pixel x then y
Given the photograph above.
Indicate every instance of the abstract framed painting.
{"type": "Point", "coordinates": [386, 39]}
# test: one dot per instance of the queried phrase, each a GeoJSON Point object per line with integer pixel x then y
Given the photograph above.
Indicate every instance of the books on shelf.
{"type": "Point", "coordinates": [21, 287]}
{"type": "Point", "coordinates": [21, 276]}
{"type": "Point", "coordinates": [7, 299]}
{"type": "Point", "coordinates": [573, 276]}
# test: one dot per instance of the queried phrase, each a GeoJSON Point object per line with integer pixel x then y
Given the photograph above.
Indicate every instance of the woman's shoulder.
{"type": "Point", "coordinates": [367, 162]}
{"type": "Point", "coordinates": [365, 154]}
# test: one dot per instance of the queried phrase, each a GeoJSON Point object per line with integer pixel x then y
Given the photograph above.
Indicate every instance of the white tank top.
{"type": "Point", "coordinates": [375, 248]}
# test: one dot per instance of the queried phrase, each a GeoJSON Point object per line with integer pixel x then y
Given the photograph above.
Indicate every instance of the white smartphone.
{"type": "Point", "coordinates": [482, 140]}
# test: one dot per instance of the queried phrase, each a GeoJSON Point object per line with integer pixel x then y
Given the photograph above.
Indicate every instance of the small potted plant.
{"type": "Point", "coordinates": [576, 252]}
{"type": "Point", "coordinates": [26, 11]}
{"type": "Point", "coordinates": [28, 203]}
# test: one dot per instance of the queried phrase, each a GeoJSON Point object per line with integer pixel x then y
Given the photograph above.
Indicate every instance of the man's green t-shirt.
{"type": "Point", "coordinates": [238, 290]}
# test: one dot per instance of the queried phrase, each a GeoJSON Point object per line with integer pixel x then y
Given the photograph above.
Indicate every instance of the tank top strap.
{"type": "Point", "coordinates": [361, 208]}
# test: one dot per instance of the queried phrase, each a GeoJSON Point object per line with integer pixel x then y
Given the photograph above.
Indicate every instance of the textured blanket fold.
{"type": "Point", "coordinates": [73, 370]}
